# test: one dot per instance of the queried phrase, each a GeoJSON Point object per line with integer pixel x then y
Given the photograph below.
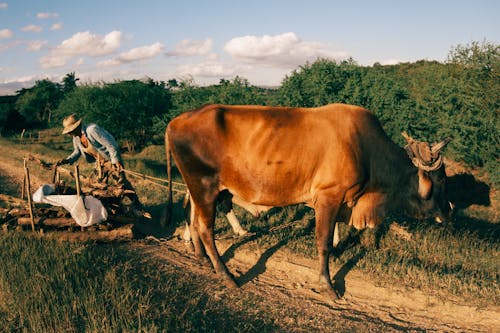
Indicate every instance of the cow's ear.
{"type": "Point", "coordinates": [424, 185]}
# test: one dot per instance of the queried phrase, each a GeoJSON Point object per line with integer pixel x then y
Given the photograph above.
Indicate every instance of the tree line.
{"type": "Point", "coordinates": [428, 99]}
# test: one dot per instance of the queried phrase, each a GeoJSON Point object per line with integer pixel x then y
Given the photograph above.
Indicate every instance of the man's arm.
{"type": "Point", "coordinates": [75, 155]}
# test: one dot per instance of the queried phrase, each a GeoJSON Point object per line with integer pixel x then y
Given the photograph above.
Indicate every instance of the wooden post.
{"type": "Point", "coordinates": [54, 175]}
{"type": "Point", "coordinates": [24, 185]}
{"type": "Point", "coordinates": [78, 188]}
{"type": "Point", "coordinates": [23, 189]}
{"type": "Point", "coordinates": [77, 179]}
{"type": "Point", "coordinates": [28, 193]}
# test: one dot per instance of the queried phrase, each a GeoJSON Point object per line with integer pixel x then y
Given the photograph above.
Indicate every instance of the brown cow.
{"type": "Point", "coordinates": [331, 157]}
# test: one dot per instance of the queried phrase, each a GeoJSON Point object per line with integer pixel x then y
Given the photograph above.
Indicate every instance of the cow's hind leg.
{"type": "Point", "coordinates": [326, 211]}
{"type": "Point", "coordinates": [205, 215]}
{"type": "Point", "coordinates": [199, 248]}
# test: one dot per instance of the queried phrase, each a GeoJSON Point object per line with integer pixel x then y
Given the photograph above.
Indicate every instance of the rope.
{"type": "Point", "coordinates": [140, 175]}
{"type": "Point", "coordinates": [153, 180]}
{"type": "Point", "coordinates": [251, 234]}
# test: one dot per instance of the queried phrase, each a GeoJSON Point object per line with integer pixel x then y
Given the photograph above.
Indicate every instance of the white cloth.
{"type": "Point", "coordinates": [85, 211]}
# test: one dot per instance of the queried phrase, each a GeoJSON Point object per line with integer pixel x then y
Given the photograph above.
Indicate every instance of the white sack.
{"type": "Point", "coordinates": [85, 211]}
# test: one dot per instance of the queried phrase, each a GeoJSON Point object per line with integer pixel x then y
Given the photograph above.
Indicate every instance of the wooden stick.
{"type": "Point", "coordinates": [78, 188]}
{"type": "Point", "coordinates": [23, 189]}
{"type": "Point", "coordinates": [54, 175]}
{"type": "Point", "coordinates": [77, 179]}
{"type": "Point", "coordinates": [28, 193]}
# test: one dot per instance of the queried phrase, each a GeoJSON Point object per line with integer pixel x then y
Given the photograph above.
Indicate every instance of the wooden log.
{"type": "Point", "coordinates": [124, 233]}
{"type": "Point", "coordinates": [121, 219]}
{"type": "Point", "coordinates": [58, 222]}
{"type": "Point", "coordinates": [12, 201]}
{"type": "Point", "coordinates": [26, 221]}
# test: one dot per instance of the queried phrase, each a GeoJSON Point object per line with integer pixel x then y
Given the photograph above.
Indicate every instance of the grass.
{"type": "Point", "coordinates": [49, 286]}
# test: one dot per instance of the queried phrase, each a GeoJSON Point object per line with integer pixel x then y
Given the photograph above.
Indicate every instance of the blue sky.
{"type": "Point", "coordinates": [205, 41]}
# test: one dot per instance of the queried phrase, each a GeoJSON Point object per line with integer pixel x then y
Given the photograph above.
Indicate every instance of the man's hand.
{"type": "Point", "coordinates": [118, 166]}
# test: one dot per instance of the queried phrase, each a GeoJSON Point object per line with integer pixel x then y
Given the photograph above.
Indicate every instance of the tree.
{"type": "Point", "coordinates": [476, 70]}
{"type": "Point", "coordinates": [36, 104]}
{"type": "Point", "coordinates": [69, 83]}
{"type": "Point", "coordinates": [10, 119]}
{"type": "Point", "coordinates": [128, 109]}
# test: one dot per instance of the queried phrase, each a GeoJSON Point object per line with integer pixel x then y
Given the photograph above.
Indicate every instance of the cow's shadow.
{"type": "Point", "coordinates": [350, 240]}
{"type": "Point", "coordinates": [260, 266]}
{"type": "Point", "coordinates": [464, 190]}
{"type": "Point", "coordinates": [339, 277]}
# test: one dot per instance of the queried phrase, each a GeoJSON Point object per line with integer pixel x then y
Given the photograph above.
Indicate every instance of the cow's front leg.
{"type": "Point", "coordinates": [326, 212]}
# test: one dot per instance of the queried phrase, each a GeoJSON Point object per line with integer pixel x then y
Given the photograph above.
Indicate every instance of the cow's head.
{"type": "Point", "coordinates": [432, 200]}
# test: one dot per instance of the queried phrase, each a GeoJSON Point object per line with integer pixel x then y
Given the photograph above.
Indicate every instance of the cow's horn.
{"type": "Point", "coordinates": [436, 148]}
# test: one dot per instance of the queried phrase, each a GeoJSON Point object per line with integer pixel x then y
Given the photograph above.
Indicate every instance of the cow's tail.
{"type": "Point", "coordinates": [169, 209]}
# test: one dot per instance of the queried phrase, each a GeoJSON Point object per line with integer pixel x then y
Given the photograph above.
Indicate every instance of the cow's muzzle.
{"type": "Point", "coordinates": [441, 219]}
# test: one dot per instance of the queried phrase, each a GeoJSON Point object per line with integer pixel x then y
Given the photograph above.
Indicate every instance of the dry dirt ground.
{"type": "Point", "coordinates": [290, 281]}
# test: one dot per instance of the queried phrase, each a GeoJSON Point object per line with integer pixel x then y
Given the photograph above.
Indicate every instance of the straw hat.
{"type": "Point", "coordinates": [70, 123]}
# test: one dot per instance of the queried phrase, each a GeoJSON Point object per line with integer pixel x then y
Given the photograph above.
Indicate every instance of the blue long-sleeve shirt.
{"type": "Point", "coordinates": [101, 140]}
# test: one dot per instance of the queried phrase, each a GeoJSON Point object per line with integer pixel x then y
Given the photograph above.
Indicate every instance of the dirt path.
{"type": "Point", "coordinates": [12, 175]}
{"type": "Point", "coordinates": [288, 280]}
{"type": "Point", "coordinates": [292, 280]}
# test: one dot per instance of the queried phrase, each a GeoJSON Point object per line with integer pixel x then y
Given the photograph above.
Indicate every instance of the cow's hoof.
{"type": "Point", "coordinates": [204, 260]}
{"type": "Point", "coordinates": [330, 292]}
{"type": "Point", "coordinates": [189, 245]}
{"type": "Point", "coordinates": [229, 282]}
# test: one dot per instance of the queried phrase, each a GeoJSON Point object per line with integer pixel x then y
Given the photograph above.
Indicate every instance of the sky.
{"type": "Point", "coordinates": [207, 40]}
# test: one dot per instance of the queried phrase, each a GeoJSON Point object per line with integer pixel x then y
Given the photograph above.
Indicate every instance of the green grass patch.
{"type": "Point", "coordinates": [51, 286]}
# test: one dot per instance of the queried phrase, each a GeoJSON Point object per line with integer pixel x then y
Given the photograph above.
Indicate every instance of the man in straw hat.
{"type": "Point", "coordinates": [99, 146]}
{"type": "Point", "coordinates": [91, 141]}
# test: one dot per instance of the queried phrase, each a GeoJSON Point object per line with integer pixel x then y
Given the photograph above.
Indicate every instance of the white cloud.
{"type": "Point", "coordinates": [140, 53]}
{"type": "Point", "coordinates": [56, 26]}
{"type": "Point", "coordinates": [390, 62]}
{"type": "Point", "coordinates": [4, 5]}
{"type": "Point", "coordinates": [32, 28]}
{"type": "Point", "coordinates": [136, 54]}
{"type": "Point", "coordinates": [186, 48]}
{"type": "Point", "coordinates": [207, 69]}
{"type": "Point", "coordinates": [80, 62]}
{"type": "Point", "coordinates": [35, 45]}
{"type": "Point", "coordinates": [43, 16]}
{"type": "Point", "coordinates": [6, 33]}
{"type": "Point", "coordinates": [82, 43]}
{"type": "Point", "coordinates": [11, 85]}
{"type": "Point", "coordinates": [286, 50]}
